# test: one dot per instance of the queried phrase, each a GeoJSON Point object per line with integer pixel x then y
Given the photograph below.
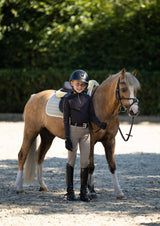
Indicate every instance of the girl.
{"type": "Point", "coordinates": [78, 112]}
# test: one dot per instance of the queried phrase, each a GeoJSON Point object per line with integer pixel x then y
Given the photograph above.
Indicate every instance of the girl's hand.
{"type": "Point", "coordinates": [68, 144]}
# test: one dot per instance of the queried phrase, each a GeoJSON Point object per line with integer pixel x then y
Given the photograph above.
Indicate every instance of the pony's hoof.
{"type": "Point", "coordinates": [92, 195]}
{"type": "Point", "coordinates": [19, 192]}
{"type": "Point", "coordinates": [120, 196]}
{"type": "Point", "coordinates": [43, 189]}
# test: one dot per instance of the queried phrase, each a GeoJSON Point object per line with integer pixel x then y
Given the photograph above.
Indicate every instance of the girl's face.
{"type": "Point", "coordinates": [78, 86]}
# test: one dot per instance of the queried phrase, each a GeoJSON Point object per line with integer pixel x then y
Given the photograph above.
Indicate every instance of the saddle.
{"type": "Point", "coordinates": [66, 87]}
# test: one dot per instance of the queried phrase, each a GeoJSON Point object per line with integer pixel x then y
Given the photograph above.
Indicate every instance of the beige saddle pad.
{"type": "Point", "coordinates": [52, 107]}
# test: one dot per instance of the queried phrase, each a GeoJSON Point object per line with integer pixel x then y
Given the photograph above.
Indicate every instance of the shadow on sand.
{"type": "Point", "coordinates": [139, 176]}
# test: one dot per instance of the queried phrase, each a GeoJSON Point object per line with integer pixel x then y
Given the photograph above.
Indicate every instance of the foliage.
{"type": "Point", "coordinates": [16, 86]}
{"type": "Point", "coordinates": [149, 93]}
{"type": "Point", "coordinates": [86, 34]}
{"type": "Point", "coordinates": [42, 41]}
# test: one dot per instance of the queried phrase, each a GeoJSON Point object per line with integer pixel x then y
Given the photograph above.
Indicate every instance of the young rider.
{"type": "Point", "coordinates": [78, 112]}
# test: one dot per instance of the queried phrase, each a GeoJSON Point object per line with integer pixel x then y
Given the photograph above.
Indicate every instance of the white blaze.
{"type": "Point", "coordinates": [134, 107]}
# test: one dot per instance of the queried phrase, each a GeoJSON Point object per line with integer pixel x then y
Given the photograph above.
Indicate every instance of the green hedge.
{"type": "Point", "coordinates": [149, 94]}
{"type": "Point", "coordinates": [16, 86]}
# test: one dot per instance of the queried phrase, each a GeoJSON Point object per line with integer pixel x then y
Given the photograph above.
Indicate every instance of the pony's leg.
{"type": "Point", "coordinates": [19, 181]}
{"type": "Point", "coordinates": [92, 192]}
{"type": "Point", "coordinates": [22, 155]}
{"type": "Point", "coordinates": [109, 152]}
{"type": "Point", "coordinates": [46, 141]}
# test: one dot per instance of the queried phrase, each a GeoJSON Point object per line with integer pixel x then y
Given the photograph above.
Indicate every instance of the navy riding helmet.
{"type": "Point", "coordinates": [79, 75]}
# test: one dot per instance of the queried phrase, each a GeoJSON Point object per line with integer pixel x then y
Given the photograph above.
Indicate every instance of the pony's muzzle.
{"type": "Point", "coordinates": [133, 110]}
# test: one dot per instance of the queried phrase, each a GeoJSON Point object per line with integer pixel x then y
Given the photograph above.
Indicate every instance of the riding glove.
{"type": "Point", "coordinates": [103, 125]}
{"type": "Point", "coordinates": [68, 144]}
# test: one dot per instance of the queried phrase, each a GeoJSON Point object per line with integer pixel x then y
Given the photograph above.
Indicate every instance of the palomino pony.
{"type": "Point", "coordinates": [116, 90]}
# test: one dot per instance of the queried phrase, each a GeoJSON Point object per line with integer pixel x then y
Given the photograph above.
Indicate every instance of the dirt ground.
{"type": "Point", "coordinates": [138, 168]}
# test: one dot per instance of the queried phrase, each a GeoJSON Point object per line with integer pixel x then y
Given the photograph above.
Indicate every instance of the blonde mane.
{"type": "Point", "coordinates": [132, 81]}
{"type": "Point", "coordinates": [129, 79]}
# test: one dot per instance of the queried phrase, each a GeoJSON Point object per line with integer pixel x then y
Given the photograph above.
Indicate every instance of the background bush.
{"type": "Point", "coordinates": [42, 42]}
{"type": "Point", "coordinates": [16, 86]}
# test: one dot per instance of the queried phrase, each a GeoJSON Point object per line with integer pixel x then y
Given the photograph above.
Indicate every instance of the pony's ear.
{"type": "Point", "coordinates": [134, 72]}
{"type": "Point", "coordinates": [123, 71]}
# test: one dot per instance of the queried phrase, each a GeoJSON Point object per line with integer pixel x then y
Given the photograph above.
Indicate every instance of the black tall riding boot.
{"type": "Point", "coordinates": [83, 192]}
{"type": "Point", "coordinates": [69, 181]}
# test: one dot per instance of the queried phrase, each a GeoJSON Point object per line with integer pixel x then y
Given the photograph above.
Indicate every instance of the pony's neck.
{"type": "Point", "coordinates": [105, 101]}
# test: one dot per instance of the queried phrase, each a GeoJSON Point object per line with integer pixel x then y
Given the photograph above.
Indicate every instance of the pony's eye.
{"type": "Point", "coordinates": [123, 90]}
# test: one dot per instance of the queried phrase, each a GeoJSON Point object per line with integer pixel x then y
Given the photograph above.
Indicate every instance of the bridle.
{"type": "Point", "coordinates": [119, 98]}
{"type": "Point", "coordinates": [122, 108]}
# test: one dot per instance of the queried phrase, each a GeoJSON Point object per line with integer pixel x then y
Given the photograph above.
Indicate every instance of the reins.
{"type": "Point", "coordinates": [129, 134]}
{"type": "Point", "coordinates": [120, 110]}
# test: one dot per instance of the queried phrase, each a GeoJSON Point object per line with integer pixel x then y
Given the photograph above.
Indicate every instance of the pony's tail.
{"type": "Point", "coordinates": [30, 164]}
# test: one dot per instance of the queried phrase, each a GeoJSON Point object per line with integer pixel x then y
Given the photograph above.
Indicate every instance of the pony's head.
{"type": "Point", "coordinates": [126, 91]}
